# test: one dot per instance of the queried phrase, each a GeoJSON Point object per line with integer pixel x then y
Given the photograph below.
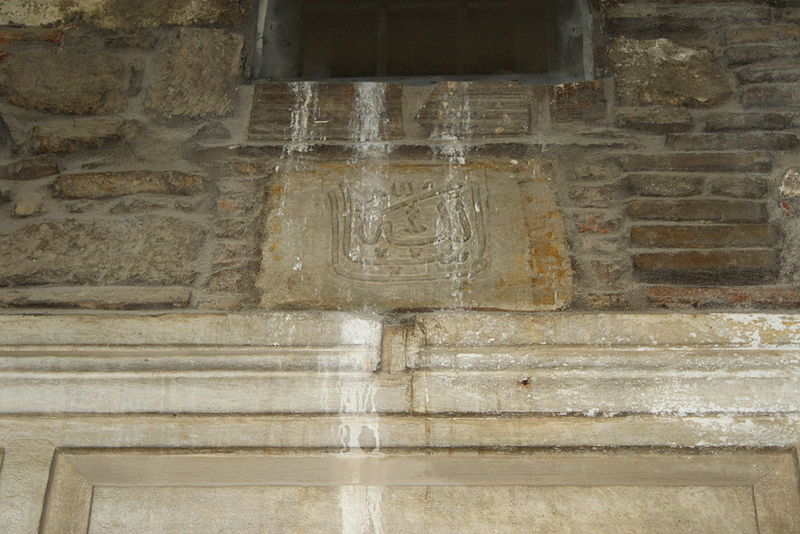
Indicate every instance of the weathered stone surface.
{"type": "Point", "coordinates": [579, 101]}
{"type": "Point", "coordinates": [64, 80]}
{"type": "Point", "coordinates": [115, 184]}
{"type": "Point", "coordinates": [705, 236]}
{"type": "Point", "coordinates": [790, 185]}
{"type": "Point", "coordinates": [721, 122]}
{"type": "Point", "coordinates": [96, 298]}
{"type": "Point", "coordinates": [725, 211]}
{"type": "Point", "coordinates": [197, 74]}
{"type": "Point", "coordinates": [141, 250]}
{"type": "Point", "coordinates": [123, 15]}
{"type": "Point", "coordinates": [402, 236]}
{"type": "Point", "coordinates": [311, 111]}
{"type": "Point", "coordinates": [654, 119]}
{"type": "Point", "coordinates": [664, 185]}
{"type": "Point", "coordinates": [661, 72]}
{"type": "Point", "coordinates": [30, 168]}
{"type": "Point", "coordinates": [73, 135]}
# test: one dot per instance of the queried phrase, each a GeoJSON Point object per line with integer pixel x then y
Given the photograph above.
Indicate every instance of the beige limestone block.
{"type": "Point", "coordinates": [392, 236]}
{"type": "Point", "coordinates": [23, 482]}
{"type": "Point", "coordinates": [623, 491]}
{"type": "Point", "coordinates": [404, 510]}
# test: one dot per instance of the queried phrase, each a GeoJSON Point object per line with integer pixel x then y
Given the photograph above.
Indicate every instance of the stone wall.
{"type": "Point", "coordinates": [139, 168]}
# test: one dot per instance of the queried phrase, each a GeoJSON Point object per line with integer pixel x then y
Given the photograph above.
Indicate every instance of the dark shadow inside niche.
{"type": "Point", "coordinates": [5, 138]}
{"type": "Point", "coordinates": [540, 41]}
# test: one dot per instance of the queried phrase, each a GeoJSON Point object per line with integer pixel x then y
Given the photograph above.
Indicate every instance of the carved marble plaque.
{"type": "Point", "coordinates": [388, 235]}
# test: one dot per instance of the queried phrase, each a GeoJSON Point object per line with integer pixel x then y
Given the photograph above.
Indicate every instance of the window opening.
{"type": "Point", "coordinates": [537, 40]}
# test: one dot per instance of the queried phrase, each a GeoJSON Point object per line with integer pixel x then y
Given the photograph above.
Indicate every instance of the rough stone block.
{"type": "Point", "coordinates": [115, 184]}
{"type": "Point", "coordinates": [790, 184]}
{"type": "Point", "coordinates": [27, 206]}
{"type": "Point", "coordinates": [727, 121]}
{"type": "Point", "coordinates": [733, 141]}
{"type": "Point", "coordinates": [391, 236]}
{"type": "Point", "coordinates": [724, 211]}
{"type": "Point", "coordinates": [662, 72]}
{"type": "Point", "coordinates": [705, 236]}
{"type": "Point", "coordinates": [697, 162]}
{"type": "Point", "coordinates": [579, 101]}
{"type": "Point", "coordinates": [65, 80]}
{"type": "Point", "coordinates": [197, 74]}
{"type": "Point", "coordinates": [714, 266]}
{"type": "Point", "coordinates": [73, 135]}
{"type": "Point", "coordinates": [30, 168]}
{"type": "Point", "coordinates": [122, 15]}
{"type": "Point", "coordinates": [139, 250]}
{"type": "Point", "coordinates": [309, 111]}
{"type": "Point", "coordinates": [654, 119]}
{"type": "Point", "coordinates": [664, 185]}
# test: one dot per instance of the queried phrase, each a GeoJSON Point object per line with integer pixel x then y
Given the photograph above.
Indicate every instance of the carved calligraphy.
{"type": "Point", "coordinates": [409, 229]}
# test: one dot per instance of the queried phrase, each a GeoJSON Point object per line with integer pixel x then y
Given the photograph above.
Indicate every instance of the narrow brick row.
{"type": "Point", "coordinates": [705, 236]}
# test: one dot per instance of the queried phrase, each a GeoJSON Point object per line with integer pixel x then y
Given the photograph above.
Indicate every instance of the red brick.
{"type": "Point", "coordinates": [762, 34]}
{"type": "Point", "coordinates": [705, 236]}
{"type": "Point", "coordinates": [729, 186]}
{"type": "Point", "coordinates": [697, 162]}
{"type": "Point", "coordinates": [724, 297]}
{"type": "Point", "coordinates": [716, 266]}
{"type": "Point", "coordinates": [664, 185]}
{"type": "Point", "coordinates": [774, 71]}
{"type": "Point", "coordinates": [759, 52]}
{"type": "Point", "coordinates": [772, 96]}
{"type": "Point", "coordinates": [725, 211]}
{"type": "Point", "coordinates": [601, 196]}
{"type": "Point", "coordinates": [656, 119]}
{"type": "Point", "coordinates": [733, 141]}
{"type": "Point", "coordinates": [9, 34]}
{"type": "Point", "coordinates": [722, 122]}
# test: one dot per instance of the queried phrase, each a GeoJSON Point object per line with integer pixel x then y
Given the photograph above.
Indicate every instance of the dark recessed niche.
{"type": "Point", "coordinates": [537, 40]}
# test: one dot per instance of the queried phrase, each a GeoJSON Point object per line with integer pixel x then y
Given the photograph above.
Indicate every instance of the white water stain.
{"type": "Point", "coordinates": [454, 130]}
{"type": "Point", "coordinates": [361, 509]}
{"type": "Point", "coordinates": [305, 104]}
